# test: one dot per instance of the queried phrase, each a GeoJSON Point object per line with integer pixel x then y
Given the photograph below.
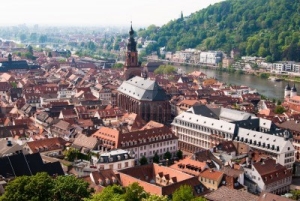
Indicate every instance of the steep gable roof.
{"type": "Point", "coordinates": [46, 144]}
{"type": "Point", "coordinates": [271, 171]}
{"type": "Point", "coordinates": [30, 164]}
{"type": "Point", "coordinates": [143, 89]}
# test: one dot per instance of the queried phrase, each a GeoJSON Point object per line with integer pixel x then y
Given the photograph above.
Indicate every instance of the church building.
{"type": "Point", "coordinates": [292, 100]}
{"type": "Point", "coordinates": [141, 95]}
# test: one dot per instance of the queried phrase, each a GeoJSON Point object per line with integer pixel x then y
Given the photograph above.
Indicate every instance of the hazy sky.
{"type": "Point", "coordinates": [97, 12]}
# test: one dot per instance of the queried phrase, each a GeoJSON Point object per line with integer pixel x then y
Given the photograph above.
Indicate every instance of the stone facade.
{"type": "Point", "coordinates": [145, 98]}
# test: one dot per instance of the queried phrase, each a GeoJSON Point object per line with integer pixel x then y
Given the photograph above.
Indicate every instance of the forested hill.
{"type": "Point", "coordinates": [255, 27]}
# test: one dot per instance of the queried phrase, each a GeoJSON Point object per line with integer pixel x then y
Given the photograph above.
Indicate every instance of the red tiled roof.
{"type": "Point", "coordinates": [211, 174]}
{"type": "Point", "coordinates": [271, 171]}
{"type": "Point", "coordinates": [189, 166]}
{"type": "Point", "coordinates": [225, 193]}
{"type": "Point", "coordinates": [46, 144]}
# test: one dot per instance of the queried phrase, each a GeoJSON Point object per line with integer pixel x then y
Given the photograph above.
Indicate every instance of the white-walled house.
{"type": "Point", "coordinates": [281, 149]}
{"type": "Point", "coordinates": [211, 57]}
{"type": "Point", "coordinates": [115, 160]}
{"type": "Point", "coordinates": [268, 176]}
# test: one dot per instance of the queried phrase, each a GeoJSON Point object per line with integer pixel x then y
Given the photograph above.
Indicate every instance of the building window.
{"type": "Point", "coordinates": [101, 167]}
{"type": "Point", "coordinates": [119, 165]}
{"type": "Point", "coordinates": [126, 164]}
{"type": "Point", "coordinates": [111, 166]}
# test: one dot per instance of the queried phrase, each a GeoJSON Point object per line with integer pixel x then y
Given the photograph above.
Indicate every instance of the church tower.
{"type": "Point", "coordinates": [132, 67]}
{"type": "Point", "coordinates": [287, 90]}
{"type": "Point", "coordinates": [293, 91]}
{"type": "Point", "coordinates": [9, 57]}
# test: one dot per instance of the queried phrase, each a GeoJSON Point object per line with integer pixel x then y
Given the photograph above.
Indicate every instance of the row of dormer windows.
{"type": "Point", "coordinates": [258, 143]}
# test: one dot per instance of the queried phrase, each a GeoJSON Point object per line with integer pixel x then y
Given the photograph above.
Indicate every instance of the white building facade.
{"type": "Point", "coordinates": [196, 132]}
{"type": "Point", "coordinates": [115, 160]}
{"type": "Point", "coordinates": [281, 149]}
{"type": "Point", "coordinates": [267, 176]}
{"type": "Point", "coordinates": [211, 57]}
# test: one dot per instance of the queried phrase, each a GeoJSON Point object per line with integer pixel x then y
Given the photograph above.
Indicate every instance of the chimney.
{"type": "Point", "coordinates": [9, 144]}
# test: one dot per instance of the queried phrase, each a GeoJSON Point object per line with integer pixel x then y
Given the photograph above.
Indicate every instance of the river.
{"type": "Point", "coordinates": [268, 88]}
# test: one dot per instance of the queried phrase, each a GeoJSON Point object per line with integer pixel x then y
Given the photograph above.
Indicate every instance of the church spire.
{"type": "Point", "coordinates": [131, 32]}
{"type": "Point", "coordinates": [131, 46]}
{"type": "Point", "coordinates": [132, 66]}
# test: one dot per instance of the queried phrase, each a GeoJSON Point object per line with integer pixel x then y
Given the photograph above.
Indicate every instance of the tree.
{"type": "Point", "coordinates": [265, 29]}
{"type": "Point", "coordinates": [142, 56]}
{"type": "Point", "coordinates": [68, 54]}
{"type": "Point", "coordinates": [43, 39]}
{"type": "Point", "coordinates": [33, 37]}
{"type": "Point", "coordinates": [30, 49]}
{"type": "Point", "coordinates": [255, 66]}
{"type": "Point", "coordinates": [143, 161]}
{"type": "Point", "coordinates": [264, 75]}
{"type": "Point", "coordinates": [23, 37]}
{"type": "Point", "coordinates": [269, 58]}
{"type": "Point", "coordinates": [42, 187]}
{"type": "Point", "coordinates": [135, 192]}
{"type": "Point", "coordinates": [155, 198]}
{"type": "Point", "coordinates": [155, 158]}
{"type": "Point", "coordinates": [296, 194]}
{"type": "Point", "coordinates": [179, 154]}
{"type": "Point", "coordinates": [91, 45]}
{"type": "Point", "coordinates": [69, 188]}
{"type": "Point", "coordinates": [14, 84]}
{"type": "Point", "coordinates": [36, 187]}
{"type": "Point", "coordinates": [165, 69]}
{"type": "Point", "coordinates": [279, 109]}
{"type": "Point", "coordinates": [199, 199]}
{"type": "Point", "coordinates": [72, 154]}
{"type": "Point", "coordinates": [167, 155]}
{"type": "Point", "coordinates": [113, 193]}
{"type": "Point", "coordinates": [183, 193]}
{"type": "Point", "coordinates": [28, 55]}
{"type": "Point", "coordinates": [118, 65]}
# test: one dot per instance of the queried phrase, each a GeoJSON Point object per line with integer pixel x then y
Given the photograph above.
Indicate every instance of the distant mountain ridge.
{"type": "Point", "coordinates": [267, 28]}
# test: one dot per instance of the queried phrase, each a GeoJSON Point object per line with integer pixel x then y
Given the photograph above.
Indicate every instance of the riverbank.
{"type": "Point", "coordinates": [257, 73]}
{"type": "Point", "coordinates": [270, 89]}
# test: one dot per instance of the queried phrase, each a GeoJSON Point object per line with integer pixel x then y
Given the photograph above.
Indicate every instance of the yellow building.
{"type": "Point", "coordinates": [211, 179]}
